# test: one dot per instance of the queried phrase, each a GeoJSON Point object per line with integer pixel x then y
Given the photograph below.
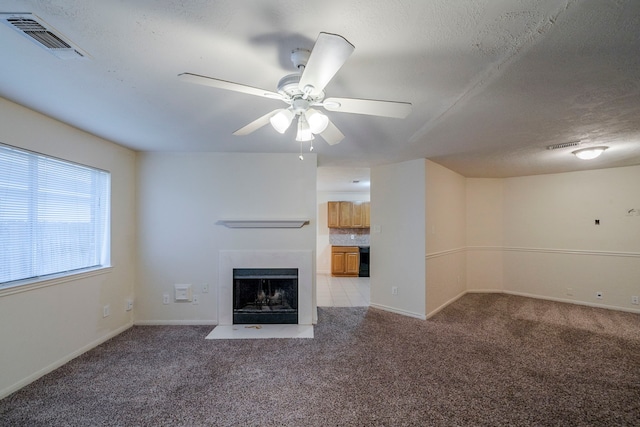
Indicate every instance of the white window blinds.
{"type": "Point", "coordinates": [54, 216]}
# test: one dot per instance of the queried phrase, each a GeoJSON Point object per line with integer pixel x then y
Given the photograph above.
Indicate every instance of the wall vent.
{"type": "Point", "coordinates": [563, 145]}
{"type": "Point", "coordinates": [42, 34]}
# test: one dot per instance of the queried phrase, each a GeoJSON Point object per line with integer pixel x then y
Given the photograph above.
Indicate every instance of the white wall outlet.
{"type": "Point", "coordinates": [195, 299]}
{"type": "Point", "coordinates": [183, 292]}
{"type": "Point", "coordinates": [599, 295]}
{"type": "Point", "coordinates": [165, 298]}
{"type": "Point", "coordinates": [394, 290]}
{"type": "Point", "coordinates": [205, 288]}
{"type": "Point", "coordinates": [570, 292]}
{"type": "Point", "coordinates": [128, 305]}
{"type": "Point", "coordinates": [106, 311]}
{"type": "Point", "coordinates": [353, 236]}
{"type": "Point", "coordinates": [634, 300]}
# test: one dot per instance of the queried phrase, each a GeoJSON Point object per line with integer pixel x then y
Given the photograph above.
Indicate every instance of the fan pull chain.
{"type": "Point", "coordinates": [301, 157]}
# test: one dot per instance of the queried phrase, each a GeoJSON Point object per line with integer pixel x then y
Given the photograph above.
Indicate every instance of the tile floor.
{"type": "Point", "coordinates": [342, 291]}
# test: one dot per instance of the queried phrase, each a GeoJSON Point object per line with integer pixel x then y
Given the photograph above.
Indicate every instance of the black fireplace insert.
{"type": "Point", "coordinates": [265, 295]}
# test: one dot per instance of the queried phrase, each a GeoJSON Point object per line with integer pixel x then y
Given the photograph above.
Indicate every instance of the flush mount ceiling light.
{"type": "Point", "coordinates": [589, 153]}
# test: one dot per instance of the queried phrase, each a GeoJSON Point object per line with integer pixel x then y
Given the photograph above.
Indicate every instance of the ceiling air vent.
{"type": "Point", "coordinates": [41, 33]}
{"type": "Point", "coordinates": [563, 145]}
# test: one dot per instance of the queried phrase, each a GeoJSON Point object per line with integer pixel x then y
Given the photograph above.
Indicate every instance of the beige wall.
{"type": "Point", "coordinates": [485, 235]}
{"type": "Point", "coordinates": [552, 247]}
{"type": "Point", "coordinates": [446, 231]}
{"type": "Point", "coordinates": [44, 327]}
{"type": "Point", "coordinates": [534, 236]}
{"type": "Point", "coordinates": [397, 237]}
{"type": "Point", "coordinates": [183, 195]}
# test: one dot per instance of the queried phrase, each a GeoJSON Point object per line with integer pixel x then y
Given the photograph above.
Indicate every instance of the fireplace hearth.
{"type": "Point", "coordinates": [265, 295]}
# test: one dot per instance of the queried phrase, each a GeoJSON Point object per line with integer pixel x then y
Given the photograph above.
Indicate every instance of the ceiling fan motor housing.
{"type": "Point", "coordinates": [288, 86]}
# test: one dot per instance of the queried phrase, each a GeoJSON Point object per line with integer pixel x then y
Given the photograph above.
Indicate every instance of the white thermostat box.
{"type": "Point", "coordinates": [183, 292]}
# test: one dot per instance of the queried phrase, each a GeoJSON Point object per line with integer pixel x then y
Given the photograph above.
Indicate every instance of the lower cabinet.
{"type": "Point", "coordinates": [345, 260]}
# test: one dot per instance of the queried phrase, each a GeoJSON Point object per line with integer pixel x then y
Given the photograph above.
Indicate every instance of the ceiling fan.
{"type": "Point", "coordinates": [304, 90]}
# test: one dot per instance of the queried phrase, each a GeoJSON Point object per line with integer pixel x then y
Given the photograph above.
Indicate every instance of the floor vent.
{"type": "Point", "coordinates": [563, 145]}
{"type": "Point", "coordinates": [39, 32]}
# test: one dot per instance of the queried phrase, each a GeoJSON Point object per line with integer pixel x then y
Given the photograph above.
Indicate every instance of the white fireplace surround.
{"type": "Point", "coordinates": [302, 260]}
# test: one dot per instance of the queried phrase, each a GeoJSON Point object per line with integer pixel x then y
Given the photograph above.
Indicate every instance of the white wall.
{"type": "Point", "coordinates": [397, 237]}
{"type": "Point", "coordinates": [183, 195]}
{"type": "Point", "coordinates": [445, 236]}
{"type": "Point", "coordinates": [42, 328]}
{"type": "Point", "coordinates": [323, 248]}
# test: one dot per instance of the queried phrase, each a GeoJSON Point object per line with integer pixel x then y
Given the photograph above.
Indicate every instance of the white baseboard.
{"type": "Point", "coordinates": [437, 310]}
{"type": "Point", "coordinates": [58, 363]}
{"type": "Point", "coordinates": [572, 301]}
{"type": "Point", "coordinates": [398, 311]}
{"type": "Point", "coordinates": [175, 322]}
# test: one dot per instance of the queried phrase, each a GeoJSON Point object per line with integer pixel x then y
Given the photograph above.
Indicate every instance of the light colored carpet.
{"type": "Point", "coordinates": [486, 360]}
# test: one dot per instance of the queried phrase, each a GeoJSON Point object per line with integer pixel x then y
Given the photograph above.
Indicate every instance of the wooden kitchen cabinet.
{"type": "Point", "coordinates": [366, 215]}
{"type": "Point", "coordinates": [345, 261]}
{"type": "Point", "coordinates": [345, 219]}
{"type": "Point", "coordinates": [333, 215]}
{"type": "Point", "coordinates": [348, 215]}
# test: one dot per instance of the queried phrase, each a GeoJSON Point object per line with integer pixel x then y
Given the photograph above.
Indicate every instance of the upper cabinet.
{"type": "Point", "coordinates": [348, 215]}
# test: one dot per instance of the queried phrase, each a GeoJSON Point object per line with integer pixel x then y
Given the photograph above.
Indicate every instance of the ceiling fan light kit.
{"type": "Point", "coordinates": [304, 130]}
{"type": "Point", "coordinates": [305, 89]}
{"type": "Point", "coordinates": [282, 120]}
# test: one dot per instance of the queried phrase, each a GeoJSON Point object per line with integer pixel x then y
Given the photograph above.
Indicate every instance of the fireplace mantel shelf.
{"type": "Point", "coordinates": [264, 223]}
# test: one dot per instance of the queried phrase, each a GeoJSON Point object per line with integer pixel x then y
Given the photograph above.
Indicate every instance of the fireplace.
{"type": "Point", "coordinates": [265, 295]}
{"type": "Point", "coordinates": [288, 260]}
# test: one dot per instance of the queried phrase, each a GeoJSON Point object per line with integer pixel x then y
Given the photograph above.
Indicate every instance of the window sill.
{"type": "Point", "coordinates": [32, 284]}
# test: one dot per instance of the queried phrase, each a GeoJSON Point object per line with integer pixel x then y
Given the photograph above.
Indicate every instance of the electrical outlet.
{"type": "Point", "coordinates": [599, 295]}
{"type": "Point", "coordinates": [394, 290]}
{"type": "Point", "coordinates": [205, 288]}
{"type": "Point", "coordinates": [106, 311]}
{"type": "Point", "coordinates": [165, 299]}
{"type": "Point", "coordinates": [634, 300]}
{"type": "Point", "coordinates": [353, 236]}
{"type": "Point", "coordinates": [128, 305]}
{"type": "Point", "coordinates": [570, 292]}
{"type": "Point", "coordinates": [195, 299]}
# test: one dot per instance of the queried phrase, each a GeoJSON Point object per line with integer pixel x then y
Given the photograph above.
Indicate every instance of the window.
{"type": "Point", "coordinates": [54, 216]}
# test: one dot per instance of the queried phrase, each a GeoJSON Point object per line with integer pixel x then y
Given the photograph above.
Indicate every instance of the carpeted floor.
{"type": "Point", "coordinates": [487, 359]}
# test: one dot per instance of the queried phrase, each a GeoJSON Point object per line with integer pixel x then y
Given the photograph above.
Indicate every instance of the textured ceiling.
{"type": "Point", "coordinates": [492, 82]}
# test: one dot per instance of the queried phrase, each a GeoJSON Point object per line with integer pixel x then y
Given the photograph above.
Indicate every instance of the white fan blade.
{"type": "Point", "coordinates": [256, 124]}
{"type": "Point", "coordinates": [332, 134]}
{"type": "Point", "coordinates": [329, 54]}
{"type": "Point", "coordinates": [370, 107]}
{"type": "Point", "coordinates": [223, 84]}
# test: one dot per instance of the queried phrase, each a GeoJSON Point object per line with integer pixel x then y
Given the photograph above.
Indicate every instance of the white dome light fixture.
{"type": "Point", "coordinates": [589, 153]}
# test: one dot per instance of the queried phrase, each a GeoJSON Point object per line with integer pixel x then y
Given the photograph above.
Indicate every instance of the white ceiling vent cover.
{"type": "Point", "coordinates": [563, 145]}
{"type": "Point", "coordinates": [42, 34]}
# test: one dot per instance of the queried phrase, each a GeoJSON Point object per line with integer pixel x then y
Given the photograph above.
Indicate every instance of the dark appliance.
{"type": "Point", "coordinates": [364, 261]}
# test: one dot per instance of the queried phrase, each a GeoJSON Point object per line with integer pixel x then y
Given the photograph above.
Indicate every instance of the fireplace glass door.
{"type": "Point", "coordinates": [265, 295]}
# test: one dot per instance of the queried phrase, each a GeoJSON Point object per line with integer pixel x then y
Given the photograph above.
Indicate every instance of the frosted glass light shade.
{"type": "Point", "coordinates": [589, 153]}
{"type": "Point", "coordinates": [281, 120]}
{"type": "Point", "coordinates": [318, 122]}
{"type": "Point", "coordinates": [304, 131]}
